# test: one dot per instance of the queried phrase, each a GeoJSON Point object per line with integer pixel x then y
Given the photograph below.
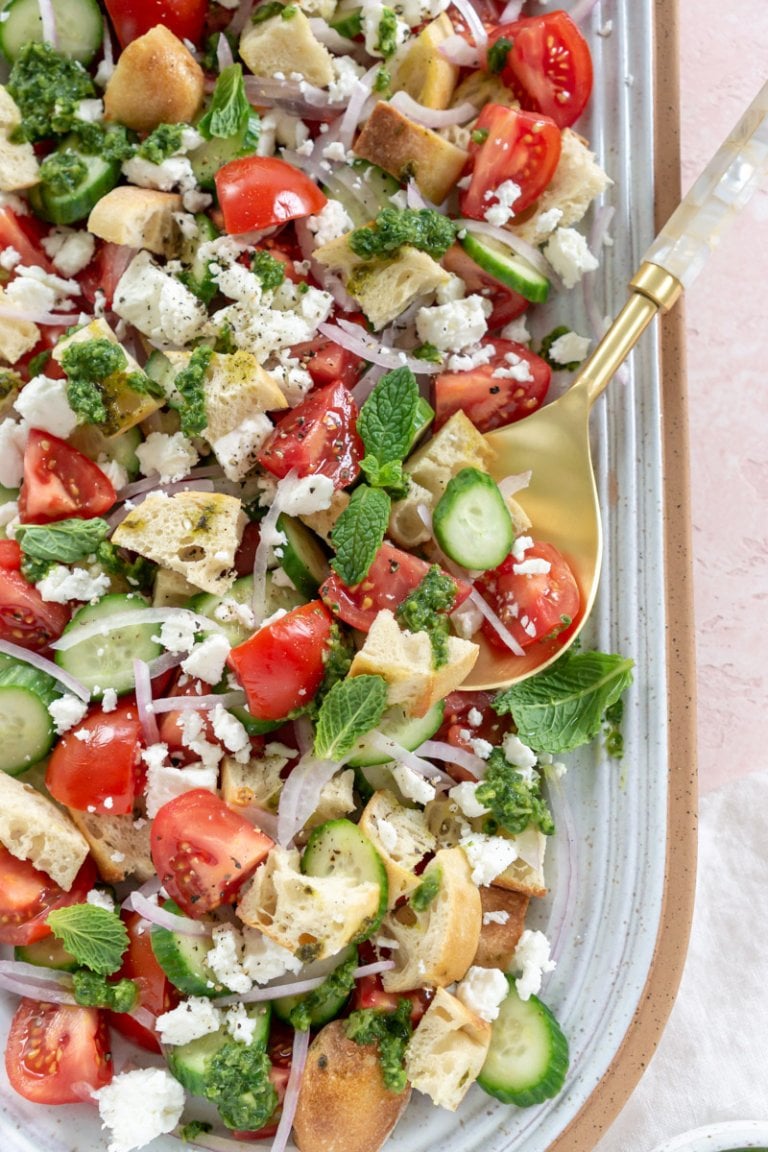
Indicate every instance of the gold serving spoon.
{"type": "Point", "coordinates": [553, 442]}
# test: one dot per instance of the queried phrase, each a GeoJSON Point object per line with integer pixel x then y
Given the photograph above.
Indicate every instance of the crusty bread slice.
{"type": "Point", "coordinates": [286, 46]}
{"type": "Point", "coordinates": [237, 387]}
{"type": "Point", "coordinates": [578, 179]}
{"type": "Point", "coordinates": [400, 836]}
{"type": "Point", "coordinates": [16, 336]}
{"type": "Point", "coordinates": [18, 164]}
{"type": "Point", "coordinates": [406, 149]}
{"type": "Point", "coordinates": [138, 218]}
{"type": "Point", "coordinates": [119, 845]}
{"type": "Point", "coordinates": [423, 72]}
{"type": "Point", "coordinates": [447, 1051]}
{"type": "Point", "coordinates": [499, 937]}
{"type": "Point", "coordinates": [33, 828]}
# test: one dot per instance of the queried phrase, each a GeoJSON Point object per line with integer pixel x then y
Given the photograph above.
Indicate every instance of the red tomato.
{"type": "Point", "coordinates": [507, 305]}
{"type": "Point", "coordinates": [156, 993]}
{"type": "Point", "coordinates": [282, 665]}
{"type": "Point", "coordinates": [520, 147]}
{"type": "Point", "coordinates": [104, 772]}
{"type": "Point", "coordinates": [27, 895]}
{"type": "Point", "coordinates": [369, 993]}
{"type": "Point", "coordinates": [458, 729]}
{"type": "Point", "coordinates": [10, 555]}
{"type": "Point", "coordinates": [132, 18]}
{"type": "Point", "coordinates": [104, 271]}
{"type": "Point", "coordinates": [203, 851]}
{"type": "Point", "coordinates": [23, 234]}
{"type": "Point", "coordinates": [328, 363]}
{"type": "Point", "coordinates": [57, 1053]}
{"type": "Point", "coordinates": [549, 66]}
{"type": "Point", "coordinates": [258, 192]}
{"type": "Point", "coordinates": [390, 578]}
{"type": "Point", "coordinates": [246, 551]}
{"type": "Point", "coordinates": [170, 723]}
{"type": "Point", "coordinates": [60, 482]}
{"type": "Point", "coordinates": [532, 606]}
{"type": "Point", "coordinates": [49, 337]}
{"type": "Point", "coordinates": [490, 401]}
{"type": "Point", "coordinates": [25, 618]}
{"type": "Point", "coordinates": [319, 437]}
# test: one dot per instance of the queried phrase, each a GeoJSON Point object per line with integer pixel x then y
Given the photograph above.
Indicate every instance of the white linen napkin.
{"type": "Point", "coordinates": [712, 1062]}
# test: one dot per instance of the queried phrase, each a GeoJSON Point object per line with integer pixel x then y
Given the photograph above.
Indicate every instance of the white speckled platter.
{"type": "Point", "coordinates": [621, 870]}
{"type": "Point", "coordinates": [733, 1136]}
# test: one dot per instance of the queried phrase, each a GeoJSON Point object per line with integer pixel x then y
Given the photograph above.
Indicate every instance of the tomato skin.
{"type": "Point", "coordinates": [132, 18]}
{"type": "Point", "coordinates": [369, 993]}
{"type": "Point", "coordinates": [60, 482]}
{"type": "Point", "coordinates": [25, 618]}
{"type": "Point", "coordinates": [521, 147]}
{"type": "Point", "coordinates": [27, 895]}
{"type": "Point", "coordinates": [17, 233]}
{"type": "Point", "coordinates": [549, 67]}
{"type": "Point", "coordinates": [456, 728]}
{"type": "Point", "coordinates": [533, 607]}
{"type": "Point", "coordinates": [56, 1053]}
{"type": "Point", "coordinates": [257, 192]}
{"type": "Point", "coordinates": [282, 665]}
{"type": "Point", "coordinates": [156, 993]}
{"type": "Point", "coordinates": [319, 437]}
{"type": "Point", "coordinates": [171, 723]}
{"type": "Point", "coordinates": [328, 363]}
{"type": "Point", "coordinates": [10, 555]}
{"type": "Point", "coordinates": [507, 305]}
{"type": "Point", "coordinates": [492, 401]}
{"type": "Point", "coordinates": [103, 773]}
{"type": "Point", "coordinates": [104, 271]}
{"type": "Point", "coordinates": [203, 851]}
{"type": "Point", "coordinates": [391, 577]}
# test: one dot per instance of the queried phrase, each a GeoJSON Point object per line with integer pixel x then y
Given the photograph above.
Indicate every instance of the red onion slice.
{"type": "Point", "coordinates": [456, 50]}
{"type": "Point", "coordinates": [48, 993]}
{"type": "Point", "coordinates": [355, 339]}
{"type": "Point", "coordinates": [106, 48]}
{"type": "Point", "coordinates": [356, 105]}
{"type": "Point", "coordinates": [299, 98]}
{"type": "Point", "coordinates": [260, 995]}
{"type": "Point", "coordinates": [373, 968]}
{"type": "Point", "coordinates": [191, 703]}
{"type": "Point", "coordinates": [441, 750]}
{"type": "Point", "coordinates": [293, 1087]}
{"type": "Point", "coordinates": [36, 973]}
{"type": "Point", "coordinates": [336, 43]}
{"type": "Point", "coordinates": [516, 482]}
{"type": "Point", "coordinates": [136, 902]}
{"type": "Point", "coordinates": [48, 20]}
{"type": "Point", "coordinates": [165, 663]}
{"type": "Point", "coordinates": [224, 57]}
{"type": "Point", "coordinates": [47, 666]}
{"type": "Point", "coordinates": [241, 17]}
{"type": "Point", "coordinates": [432, 117]}
{"type": "Point", "coordinates": [511, 11]}
{"type": "Point", "coordinates": [416, 763]}
{"type": "Point", "coordinates": [300, 795]}
{"type": "Point", "coordinates": [123, 620]}
{"type": "Point", "coordinates": [366, 384]}
{"type": "Point", "coordinates": [498, 627]}
{"type": "Point", "coordinates": [473, 22]}
{"type": "Point", "coordinates": [143, 684]}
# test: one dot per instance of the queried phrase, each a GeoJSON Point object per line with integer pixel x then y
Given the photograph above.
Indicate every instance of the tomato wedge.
{"type": "Point", "coordinates": [57, 1053]}
{"type": "Point", "coordinates": [100, 770]}
{"type": "Point", "coordinates": [319, 437]}
{"type": "Point", "coordinates": [10, 555]}
{"type": "Point", "coordinates": [282, 665]}
{"type": "Point", "coordinates": [258, 192]}
{"type": "Point", "coordinates": [490, 398]}
{"type": "Point", "coordinates": [520, 147]}
{"type": "Point", "coordinates": [23, 235]}
{"type": "Point", "coordinates": [132, 18]}
{"type": "Point", "coordinates": [549, 66]}
{"type": "Point", "coordinates": [60, 482]}
{"type": "Point", "coordinates": [27, 895]}
{"type": "Point", "coordinates": [156, 993]}
{"type": "Point", "coordinates": [203, 851]}
{"type": "Point", "coordinates": [25, 618]}
{"type": "Point", "coordinates": [533, 605]}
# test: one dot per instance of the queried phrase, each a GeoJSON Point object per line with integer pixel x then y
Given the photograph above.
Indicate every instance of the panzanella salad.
{"type": "Point", "coordinates": [265, 273]}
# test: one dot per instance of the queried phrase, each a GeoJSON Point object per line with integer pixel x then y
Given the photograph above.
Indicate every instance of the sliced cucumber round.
{"type": "Point", "coordinates": [189, 1062]}
{"type": "Point", "coordinates": [182, 958]}
{"type": "Point", "coordinates": [506, 266]}
{"type": "Point", "coordinates": [325, 1002]}
{"type": "Point", "coordinates": [79, 27]}
{"type": "Point", "coordinates": [67, 207]}
{"type": "Point", "coordinates": [304, 560]}
{"type": "Point", "coordinates": [27, 733]}
{"type": "Point", "coordinates": [209, 605]}
{"type": "Point", "coordinates": [406, 730]}
{"type": "Point", "coordinates": [471, 521]}
{"type": "Point", "coordinates": [339, 848]}
{"type": "Point", "coordinates": [47, 953]}
{"type": "Point", "coordinates": [528, 1058]}
{"type": "Point", "coordinates": [106, 660]}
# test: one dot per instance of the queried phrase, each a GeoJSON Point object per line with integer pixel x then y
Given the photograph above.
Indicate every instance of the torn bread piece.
{"type": "Point", "coordinates": [447, 1051]}
{"type": "Point", "coordinates": [33, 828]}
{"type": "Point", "coordinates": [119, 845]}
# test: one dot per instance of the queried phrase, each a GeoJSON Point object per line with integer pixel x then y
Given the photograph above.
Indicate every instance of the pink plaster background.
{"type": "Point", "coordinates": [724, 62]}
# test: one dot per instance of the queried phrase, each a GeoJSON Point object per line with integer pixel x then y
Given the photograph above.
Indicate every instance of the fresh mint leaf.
{"type": "Point", "coordinates": [96, 938]}
{"type": "Point", "coordinates": [387, 417]}
{"type": "Point", "coordinates": [64, 541]}
{"type": "Point", "coordinates": [229, 109]}
{"type": "Point", "coordinates": [563, 707]}
{"type": "Point", "coordinates": [351, 708]}
{"type": "Point", "coordinates": [389, 476]}
{"type": "Point", "coordinates": [358, 533]}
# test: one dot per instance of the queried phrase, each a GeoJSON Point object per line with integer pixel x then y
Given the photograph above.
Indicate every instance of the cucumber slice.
{"type": "Point", "coordinates": [47, 953]}
{"type": "Point", "coordinates": [122, 449]}
{"type": "Point", "coordinates": [106, 660]}
{"type": "Point", "coordinates": [398, 725]}
{"type": "Point", "coordinates": [471, 521]}
{"type": "Point", "coordinates": [215, 153]}
{"type": "Point", "coordinates": [207, 604]}
{"type": "Point", "coordinates": [506, 266]}
{"type": "Point", "coordinates": [198, 276]}
{"type": "Point", "coordinates": [338, 847]}
{"type": "Point", "coordinates": [189, 1062]}
{"type": "Point", "coordinates": [528, 1058]}
{"type": "Point", "coordinates": [182, 958]}
{"type": "Point", "coordinates": [326, 1002]}
{"type": "Point", "coordinates": [100, 177]}
{"type": "Point", "coordinates": [363, 190]}
{"type": "Point", "coordinates": [79, 27]}
{"type": "Point", "coordinates": [27, 733]}
{"type": "Point", "coordinates": [304, 561]}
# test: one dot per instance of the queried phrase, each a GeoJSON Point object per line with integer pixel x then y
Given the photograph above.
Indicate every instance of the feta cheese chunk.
{"type": "Point", "coordinates": [61, 584]}
{"type": "Point", "coordinates": [157, 303]}
{"type": "Point", "coordinates": [66, 712]}
{"type": "Point", "coordinates": [331, 223]}
{"type": "Point", "coordinates": [43, 404]}
{"type": "Point", "coordinates": [464, 795]}
{"type": "Point", "coordinates": [165, 783]}
{"type": "Point", "coordinates": [570, 348]}
{"type": "Point", "coordinates": [488, 856]}
{"type": "Point", "coordinates": [569, 255]}
{"type": "Point", "coordinates": [412, 785]}
{"type": "Point", "coordinates": [169, 456]}
{"type": "Point", "coordinates": [455, 325]}
{"type": "Point", "coordinates": [264, 959]}
{"type": "Point", "coordinates": [69, 249]}
{"type": "Point", "coordinates": [138, 1106]}
{"type": "Point", "coordinates": [482, 991]}
{"type": "Point", "coordinates": [206, 660]}
{"type": "Point", "coordinates": [532, 959]}
{"type": "Point", "coordinates": [190, 1020]}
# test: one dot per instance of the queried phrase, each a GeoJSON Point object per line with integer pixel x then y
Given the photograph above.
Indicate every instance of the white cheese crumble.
{"type": "Point", "coordinates": [464, 795]}
{"type": "Point", "coordinates": [569, 255]}
{"type": "Point", "coordinates": [569, 348]}
{"type": "Point", "coordinates": [99, 898]}
{"type": "Point", "coordinates": [190, 1020]}
{"type": "Point", "coordinates": [517, 753]}
{"type": "Point", "coordinates": [207, 659]}
{"type": "Point", "coordinates": [533, 961]}
{"type": "Point", "coordinates": [61, 584]}
{"type": "Point", "coordinates": [548, 221]}
{"type": "Point", "coordinates": [413, 785]}
{"type": "Point", "coordinates": [264, 960]}
{"type": "Point", "coordinates": [482, 991]}
{"type": "Point", "coordinates": [177, 634]}
{"type": "Point", "coordinates": [517, 331]}
{"type": "Point", "coordinates": [66, 712]}
{"type": "Point", "coordinates": [454, 326]}
{"type": "Point", "coordinates": [346, 72]}
{"type": "Point", "coordinates": [532, 567]}
{"type": "Point", "coordinates": [306, 494]}
{"type": "Point", "coordinates": [157, 303]}
{"type": "Point", "coordinates": [193, 736]}
{"type": "Point", "coordinates": [109, 700]}
{"type": "Point", "coordinates": [138, 1106]}
{"type": "Point", "coordinates": [500, 213]}
{"type": "Point", "coordinates": [224, 959]}
{"type": "Point", "coordinates": [43, 404]}
{"type": "Point", "coordinates": [69, 249]}
{"type": "Point", "coordinates": [331, 223]}
{"type": "Point", "coordinates": [488, 856]}
{"type": "Point", "coordinates": [165, 783]}
{"type": "Point", "coordinates": [232, 734]}
{"type": "Point", "coordinates": [499, 916]}
{"type": "Point", "coordinates": [171, 457]}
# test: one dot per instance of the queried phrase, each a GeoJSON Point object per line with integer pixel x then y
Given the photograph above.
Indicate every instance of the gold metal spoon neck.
{"type": "Point", "coordinates": [658, 285]}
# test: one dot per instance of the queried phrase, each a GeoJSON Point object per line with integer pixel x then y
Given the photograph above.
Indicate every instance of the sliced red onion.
{"type": "Point", "coordinates": [433, 117]}
{"type": "Point", "coordinates": [297, 97]}
{"type": "Point", "coordinates": [514, 483]}
{"type": "Point", "coordinates": [124, 619]}
{"type": "Point", "coordinates": [391, 748]}
{"type": "Point", "coordinates": [456, 50]}
{"type": "Point", "coordinates": [261, 558]}
{"type": "Point", "coordinates": [258, 995]}
{"type": "Point", "coordinates": [47, 666]}
{"type": "Point", "coordinates": [224, 57]}
{"type": "Point", "coordinates": [339, 45]}
{"type": "Point", "coordinates": [260, 818]}
{"type": "Point", "coordinates": [511, 11]}
{"type": "Point", "coordinates": [504, 236]}
{"type": "Point", "coordinates": [473, 21]}
{"type": "Point", "coordinates": [151, 482]}
{"type": "Point", "coordinates": [144, 1017]}
{"type": "Point", "coordinates": [42, 318]}
{"type": "Point", "coordinates": [355, 339]}
{"type": "Point", "coordinates": [241, 17]}
{"type": "Point", "coordinates": [441, 750]}
{"type": "Point", "coordinates": [498, 627]}
{"type": "Point", "coordinates": [292, 1089]}
{"type": "Point", "coordinates": [300, 795]}
{"type": "Point", "coordinates": [36, 973]}
{"type": "Point", "coordinates": [143, 684]}
{"type": "Point", "coordinates": [150, 887]}
{"type": "Point", "coordinates": [165, 663]}
{"type": "Point", "coordinates": [106, 48]}
{"type": "Point", "coordinates": [366, 384]}
{"type": "Point", "coordinates": [192, 703]}
{"type": "Point", "coordinates": [48, 993]}
{"type": "Point", "coordinates": [151, 911]}
{"type": "Point", "coordinates": [414, 196]}
{"type": "Point", "coordinates": [581, 9]}
{"type": "Point", "coordinates": [48, 19]}
{"type": "Point", "coordinates": [373, 968]}
{"type": "Point", "coordinates": [302, 730]}
{"type": "Point", "coordinates": [356, 105]}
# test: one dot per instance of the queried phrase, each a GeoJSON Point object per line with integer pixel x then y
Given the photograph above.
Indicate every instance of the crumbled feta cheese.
{"type": "Point", "coordinates": [237, 450]}
{"type": "Point", "coordinates": [177, 634]}
{"type": "Point", "coordinates": [471, 358]}
{"type": "Point", "coordinates": [157, 303]}
{"type": "Point", "coordinates": [372, 13]}
{"type": "Point", "coordinates": [66, 712]}
{"type": "Point", "coordinates": [516, 330]}
{"type": "Point", "coordinates": [100, 899]}
{"type": "Point", "coordinates": [206, 660]}
{"type": "Point", "coordinates": [453, 289]}
{"type": "Point", "coordinates": [569, 348]}
{"type": "Point", "coordinates": [503, 210]}
{"type": "Point", "coordinates": [169, 456]}
{"type": "Point", "coordinates": [413, 785]}
{"type": "Point", "coordinates": [264, 960]}
{"type": "Point", "coordinates": [165, 783]}
{"type": "Point", "coordinates": [513, 368]}
{"type": "Point", "coordinates": [240, 1025]}
{"type": "Point", "coordinates": [114, 472]}
{"type": "Point", "coordinates": [229, 611]}
{"type": "Point", "coordinates": [532, 960]}
{"type": "Point", "coordinates": [289, 318]}
{"type": "Point", "coordinates": [9, 258]}
{"type": "Point", "coordinates": [9, 517]}
{"type": "Point", "coordinates": [532, 567]}
{"type": "Point", "coordinates": [416, 12]}
{"type": "Point", "coordinates": [482, 991]}
{"type": "Point", "coordinates": [346, 72]}
{"type": "Point", "coordinates": [173, 172]}
{"type": "Point", "coordinates": [232, 734]}
{"type": "Point", "coordinates": [30, 295]}
{"type": "Point", "coordinates": [224, 959]}
{"type": "Point", "coordinates": [521, 546]}
{"type": "Point", "coordinates": [488, 856]}
{"type": "Point", "coordinates": [61, 584]}
{"type": "Point", "coordinates": [193, 737]}
{"type": "Point", "coordinates": [138, 1106]}
{"type": "Point", "coordinates": [548, 221]}
{"type": "Point", "coordinates": [43, 404]}
{"type": "Point", "coordinates": [237, 282]}
{"type": "Point", "coordinates": [331, 223]}
{"type": "Point", "coordinates": [474, 717]}
{"type": "Point", "coordinates": [500, 916]}
{"type": "Point", "coordinates": [517, 753]}
{"type": "Point", "coordinates": [91, 111]}
{"type": "Point", "coordinates": [467, 620]}
{"type": "Point", "coordinates": [305, 495]}
{"type": "Point", "coordinates": [387, 833]}
{"type": "Point", "coordinates": [190, 1020]}
{"type": "Point", "coordinates": [293, 379]}
{"type": "Point", "coordinates": [569, 255]}
{"type": "Point", "coordinates": [109, 700]}
{"type": "Point", "coordinates": [456, 325]}
{"type": "Point", "coordinates": [464, 795]}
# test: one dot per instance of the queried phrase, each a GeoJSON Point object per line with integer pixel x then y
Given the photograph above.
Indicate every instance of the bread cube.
{"type": "Point", "coordinates": [404, 149]}
{"type": "Point", "coordinates": [156, 81]}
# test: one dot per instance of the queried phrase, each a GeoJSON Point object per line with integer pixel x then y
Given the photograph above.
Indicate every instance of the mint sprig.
{"type": "Point", "coordinates": [359, 532]}
{"type": "Point", "coordinates": [95, 937]}
{"type": "Point", "coordinates": [64, 541]}
{"type": "Point", "coordinates": [386, 418]}
{"type": "Point", "coordinates": [229, 110]}
{"type": "Point", "coordinates": [563, 707]}
{"type": "Point", "coordinates": [352, 707]}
